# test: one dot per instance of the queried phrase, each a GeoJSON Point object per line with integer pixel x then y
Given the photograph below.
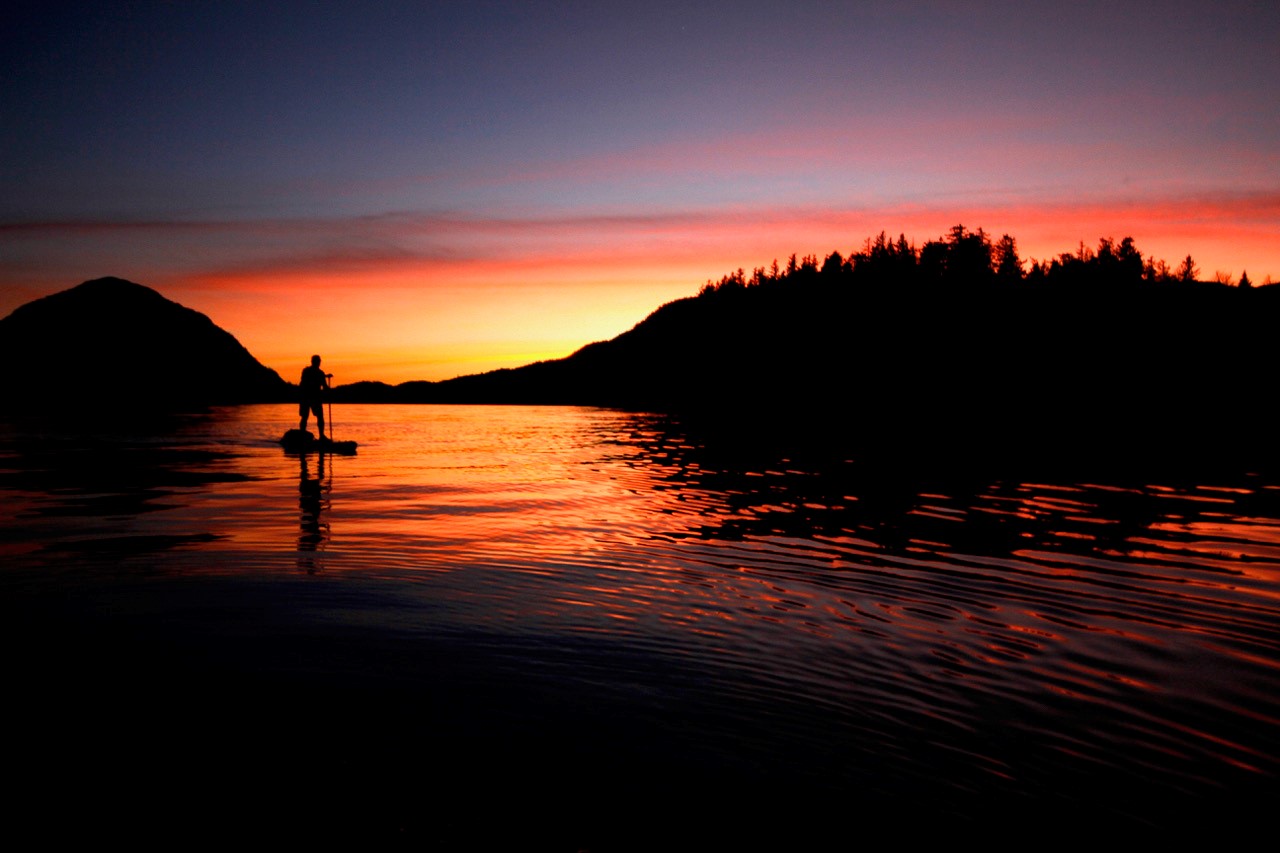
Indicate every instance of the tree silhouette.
{"type": "Point", "coordinates": [968, 257]}
{"type": "Point", "coordinates": [1008, 264]}
{"type": "Point", "coordinates": [1187, 270]}
{"type": "Point", "coordinates": [933, 262]}
{"type": "Point", "coordinates": [1156, 271]}
{"type": "Point", "coordinates": [1129, 261]}
{"type": "Point", "coordinates": [968, 260]}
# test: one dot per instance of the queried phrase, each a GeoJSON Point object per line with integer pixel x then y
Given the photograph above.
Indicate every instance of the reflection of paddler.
{"type": "Point", "coordinates": [313, 384]}
{"type": "Point", "coordinates": [313, 531]}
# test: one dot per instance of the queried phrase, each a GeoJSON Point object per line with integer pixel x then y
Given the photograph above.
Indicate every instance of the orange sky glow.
{"type": "Point", "coordinates": [400, 318]}
{"type": "Point", "coordinates": [380, 301]}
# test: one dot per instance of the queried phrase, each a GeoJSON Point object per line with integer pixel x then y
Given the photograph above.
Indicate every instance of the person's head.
{"type": "Point", "coordinates": [315, 361]}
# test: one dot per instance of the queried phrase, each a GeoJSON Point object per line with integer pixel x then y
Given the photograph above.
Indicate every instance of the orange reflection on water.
{"type": "Point", "coordinates": [616, 553]}
{"type": "Point", "coordinates": [580, 521]}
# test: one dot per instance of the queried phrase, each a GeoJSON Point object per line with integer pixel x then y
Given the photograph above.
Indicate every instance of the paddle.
{"type": "Point", "coordinates": [327, 377]}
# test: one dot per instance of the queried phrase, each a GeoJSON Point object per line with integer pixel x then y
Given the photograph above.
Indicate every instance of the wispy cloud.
{"type": "Point", "coordinates": [453, 287]}
{"type": "Point", "coordinates": [331, 248]}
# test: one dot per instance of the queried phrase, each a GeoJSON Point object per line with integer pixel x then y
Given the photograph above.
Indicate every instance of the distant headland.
{"type": "Point", "coordinates": [957, 337]}
{"type": "Point", "coordinates": [958, 343]}
{"type": "Point", "coordinates": [111, 340]}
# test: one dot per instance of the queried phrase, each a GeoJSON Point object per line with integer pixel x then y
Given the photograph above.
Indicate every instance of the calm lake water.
{"type": "Point", "coordinates": [590, 629]}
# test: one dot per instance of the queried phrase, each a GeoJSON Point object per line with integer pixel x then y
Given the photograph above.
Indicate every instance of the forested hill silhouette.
{"type": "Point", "coordinates": [114, 340]}
{"type": "Point", "coordinates": [954, 340]}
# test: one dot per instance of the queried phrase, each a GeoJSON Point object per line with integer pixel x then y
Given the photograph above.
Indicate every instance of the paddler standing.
{"type": "Point", "coordinates": [313, 384]}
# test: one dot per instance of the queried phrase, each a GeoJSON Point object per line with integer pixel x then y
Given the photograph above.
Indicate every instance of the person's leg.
{"type": "Point", "coordinates": [318, 408]}
{"type": "Point", "coordinates": [302, 415]}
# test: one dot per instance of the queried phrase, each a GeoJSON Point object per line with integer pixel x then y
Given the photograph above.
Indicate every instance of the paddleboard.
{"type": "Point", "coordinates": [303, 441]}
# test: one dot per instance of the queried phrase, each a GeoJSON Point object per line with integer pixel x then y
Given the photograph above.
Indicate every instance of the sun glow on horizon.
{"type": "Point", "coordinates": [389, 300]}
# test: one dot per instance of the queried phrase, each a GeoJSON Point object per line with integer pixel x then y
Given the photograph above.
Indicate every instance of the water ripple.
{"type": "Point", "coordinates": [841, 622]}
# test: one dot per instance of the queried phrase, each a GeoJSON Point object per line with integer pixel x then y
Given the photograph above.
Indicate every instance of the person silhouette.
{"type": "Point", "coordinates": [313, 384]}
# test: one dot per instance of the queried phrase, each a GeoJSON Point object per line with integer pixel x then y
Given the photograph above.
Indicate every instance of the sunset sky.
{"type": "Point", "coordinates": [422, 190]}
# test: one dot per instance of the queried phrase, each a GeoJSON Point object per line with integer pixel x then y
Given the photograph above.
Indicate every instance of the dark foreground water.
{"type": "Point", "coordinates": [576, 629]}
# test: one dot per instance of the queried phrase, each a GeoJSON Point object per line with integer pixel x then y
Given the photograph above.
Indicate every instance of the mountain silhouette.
{"type": "Point", "coordinates": [1075, 365]}
{"type": "Point", "coordinates": [940, 350]}
{"type": "Point", "coordinates": [114, 340]}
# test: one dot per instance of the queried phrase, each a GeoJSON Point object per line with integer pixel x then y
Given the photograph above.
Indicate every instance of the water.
{"type": "Point", "coordinates": [591, 629]}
